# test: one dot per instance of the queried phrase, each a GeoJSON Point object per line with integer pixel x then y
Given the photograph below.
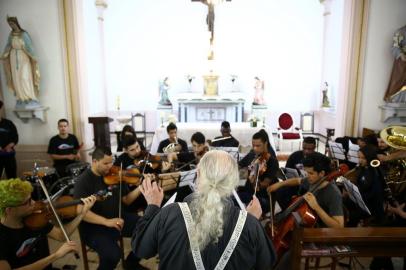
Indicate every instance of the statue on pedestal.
{"type": "Point", "coordinates": [259, 92]}
{"type": "Point", "coordinates": [21, 66]}
{"type": "Point", "coordinates": [325, 102]}
{"type": "Point", "coordinates": [163, 92]}
{"type": "Point", "coordinates": [396, 92]}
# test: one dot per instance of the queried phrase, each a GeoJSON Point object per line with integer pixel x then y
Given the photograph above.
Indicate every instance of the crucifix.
{"type": "Point", "coordinates": [210, 19]}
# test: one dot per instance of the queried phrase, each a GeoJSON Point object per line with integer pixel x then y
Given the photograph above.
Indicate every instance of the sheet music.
{"type": "Point", "coordinates": [352, 154]}
{"type": "Point", "coordinates": [337, 150]}
{"type": "Point", "coordinates": [354, 193]}
{"type": "Point", "coordinates": [187, 178]}
{"type": "Point", "coordinates": [171, 200]}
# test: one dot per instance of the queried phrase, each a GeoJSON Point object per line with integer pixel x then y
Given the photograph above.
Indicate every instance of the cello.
{"type": "Point", "coordinates": [286, 220]}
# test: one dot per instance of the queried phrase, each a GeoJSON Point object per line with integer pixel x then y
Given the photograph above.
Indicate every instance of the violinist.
{"type": "Point", "coordinates": [179, 144]}
{"type": "Point", "coordinates": [102, 226]}
{"type": "Point", "coordinates": [262, 154]}
{"type": "Point", "coordinates": [21, 247]}
{"type": "Point", "coordinates": [199, 149]}
{"type": "Point", "coordinates": [327, 202]}
{"type": "Point", "coordinates": [225, 133]}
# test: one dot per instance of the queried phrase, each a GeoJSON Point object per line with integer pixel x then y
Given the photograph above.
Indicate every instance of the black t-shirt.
{"type": "Point", "coordinates": [166, 142]}
{"type": "Point", "coordinates": [60, 146]}
{"type": "Point", "coordinates": [230, 142]}
{"type": "Point", "coordinates": [89, 184]}
{"type": "Point", "coordinates": [8, 133]}
{"type": "Point", "coordinates": [20, 247]}
{"type": "Point", "coordinates": [186, 157]}
{"type": "Point", "coordinates": [295, 161]}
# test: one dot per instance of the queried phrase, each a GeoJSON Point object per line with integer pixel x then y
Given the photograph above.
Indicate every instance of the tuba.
{"type": "Point", "coordinates": [395, 137]}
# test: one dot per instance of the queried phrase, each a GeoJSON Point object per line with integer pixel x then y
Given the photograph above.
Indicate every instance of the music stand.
{"type": "Point", "coordinates": [337, 151]}
{"type": "Point", "coordinates": [233, 151]}
{"type": "Point", "coordinates": [354, 194]}
{"type": "Point", "coordinates": [352, 154]}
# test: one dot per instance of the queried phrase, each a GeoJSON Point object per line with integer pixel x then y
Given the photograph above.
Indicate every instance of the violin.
{"type": "Point", "coordinates": [130, 176]}
{"type": "Point", "coordinates": [65, 207]}
{"type": "Point", "coordinates": [258, 167]}
{"type": "Point", "coordinates": [281, 235]}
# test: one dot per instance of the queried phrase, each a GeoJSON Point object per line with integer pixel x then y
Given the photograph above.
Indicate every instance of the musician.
{"type": "Point", "coordinates": [199, 149]}
{"type": "Point", "coordinates": [102, 226]}
{"type": "Point", "coordinates": [163, 231]}
{"type": "Point", "coordinates": [8, 140]}
{"type": "Point", "coordinates": [327, 202]}
{"type": "Point", "coordinates": [63, 148]}
{"type": "Point", "coordinates": [260, 147]}
{"type": "Point", "coordinates": [128, 131]}
{"type": "Point", "coordinates": [225, 132]}
{"type": "Point", "coordinates": [22, 247]}
{"type": "Point", "coordinates": [295, 160]}
{"type": "Point", "coordinates": [180, 145]}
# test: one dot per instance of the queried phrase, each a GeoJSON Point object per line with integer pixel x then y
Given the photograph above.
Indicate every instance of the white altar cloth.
{"type": "Point", "coordinates": [241, 131]}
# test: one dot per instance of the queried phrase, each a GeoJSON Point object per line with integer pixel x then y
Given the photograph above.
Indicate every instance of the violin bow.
{"type": "Point", "coordinates": [120, 190]}
{"type": "Point", "coordinates": [256, 180]}
{"type": "Point", "coordinates": [44, 189]}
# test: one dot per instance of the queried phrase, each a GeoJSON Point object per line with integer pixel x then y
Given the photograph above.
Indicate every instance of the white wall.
{"type": "Point", "coordinates": [385, 17]}
{"type": "Point", "coordinates": [41, 20]}
{"type": "Point", "coordinates": [279, 41]}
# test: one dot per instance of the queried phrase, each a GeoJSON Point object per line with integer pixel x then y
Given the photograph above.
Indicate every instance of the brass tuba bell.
{"type": "Point", "coordinates": [394, 136]}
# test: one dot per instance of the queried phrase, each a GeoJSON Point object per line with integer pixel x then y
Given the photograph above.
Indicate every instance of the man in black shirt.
{"type": "Point", "coordinates": [295, 160]}
{"type": "Point", "coordinates": [179, 145]}
{"type": "Point", "coordinates": [187, 158]}
{"type": "Point", "coordinates": [63, 148]}
{"type": "Point", "coordinates": [25, 247]}
{"type": "Point", "coordinates": [221, 141]}
{"type": "Point", "coordinates": [102, 225]}
{"type": "Point", "coordinates": [8, 139]}
{"type": "Point", "coordinates": [260, 155]}
{"type": "Point", "coordinates": [208, 231]}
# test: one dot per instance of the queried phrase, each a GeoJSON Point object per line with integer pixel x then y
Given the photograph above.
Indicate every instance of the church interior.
{"type": "Point", "coordinates": [324, 75]}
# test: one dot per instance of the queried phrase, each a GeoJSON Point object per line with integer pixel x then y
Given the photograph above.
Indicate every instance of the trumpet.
{"type": "Point", "coordinates": [170, 148]}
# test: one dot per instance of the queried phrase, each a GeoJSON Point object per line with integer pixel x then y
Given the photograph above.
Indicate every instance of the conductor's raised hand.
{"type": "Point", "coordinates": [153, 194]}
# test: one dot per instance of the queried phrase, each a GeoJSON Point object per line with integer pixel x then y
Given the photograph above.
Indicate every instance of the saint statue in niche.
{"type": "Point", "coordinates": [396, 92]}
{"type": "Point", "coordinates": [259, 92]}
{"type": "Point", "coordinates": [21, 66]}
{"type": "Point", "coordinates": [325, 102]}
{"type": "Point", "coordinates": [163, 92]}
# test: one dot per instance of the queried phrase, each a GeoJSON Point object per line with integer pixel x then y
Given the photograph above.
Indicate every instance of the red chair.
{"type": "Point", "coordinates": [287, 132]}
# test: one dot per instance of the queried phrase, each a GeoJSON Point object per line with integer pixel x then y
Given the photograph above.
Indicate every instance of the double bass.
{"type": "Point", "coordinates": [285, 222]}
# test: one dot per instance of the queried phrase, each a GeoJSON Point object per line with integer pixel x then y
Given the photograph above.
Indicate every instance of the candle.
{"type": "Point", "coordinates": [118, 103]}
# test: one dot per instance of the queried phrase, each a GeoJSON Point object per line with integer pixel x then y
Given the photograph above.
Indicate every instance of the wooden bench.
{"type": "Point", "coordinates": [362, 242]}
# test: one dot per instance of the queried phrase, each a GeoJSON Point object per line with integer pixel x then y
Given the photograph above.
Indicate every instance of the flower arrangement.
{"type": "Point", "coordinates": [253, 119]}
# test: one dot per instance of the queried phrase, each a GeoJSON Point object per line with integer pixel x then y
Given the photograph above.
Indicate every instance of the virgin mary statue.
{"type": "Point", "coordinates": [21, 66]}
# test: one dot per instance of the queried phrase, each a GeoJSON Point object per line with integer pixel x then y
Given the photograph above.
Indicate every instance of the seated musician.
{"type": "Point", "coordinates": [295, 161]}
{"type": "Point", "coordinates": [25, 248]}
{"type": "Point", "coordinates": [128, 131]}
{"type": "Point", "coordinates": [101, 227]}
{"type": "Point", "coordinates": [163, 231]}
{"type": "Point", "coordinates": [186, 158]}
{"type": "Point", "coordinates": [179, 144]}
{"type": "Point", "coordinates": [63, 148]}
{"type": "Point", "coordinates": [327, 202]}
{"type": "Point", "coordinates": [225, 133]}
{"type": "Point", "coordinates": [260, 148]}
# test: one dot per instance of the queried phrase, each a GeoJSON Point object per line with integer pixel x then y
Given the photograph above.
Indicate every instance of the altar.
{"type": "Point", "coordinates": [241, 131]}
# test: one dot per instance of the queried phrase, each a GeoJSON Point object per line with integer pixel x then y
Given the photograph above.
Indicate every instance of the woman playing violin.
{"type": "Point", "coordinates": [21, 246]}
{"type": "Point", "coordinates": [102, 225]}
{"type": "Point", "coordinates": [199, 149]}
{"type": "Point", "coordinates": [260, 157]}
